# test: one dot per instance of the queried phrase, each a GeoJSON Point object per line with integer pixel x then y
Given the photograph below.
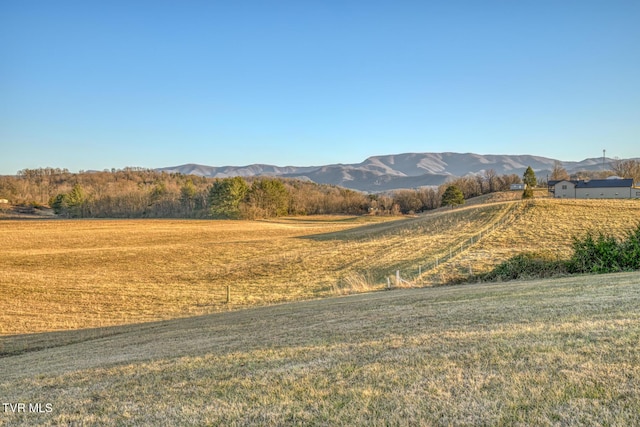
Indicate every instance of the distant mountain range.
{"type": "Point", "coordinates": [409, 170]}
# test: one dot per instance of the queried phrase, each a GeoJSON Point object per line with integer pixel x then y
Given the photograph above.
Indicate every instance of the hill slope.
{"type": "Point", "coordinates": [533, 353]}
{"type": "Point", "coordinates": [548, 226]}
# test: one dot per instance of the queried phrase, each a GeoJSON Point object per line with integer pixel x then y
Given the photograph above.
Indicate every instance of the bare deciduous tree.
{"type": "Point", "coordinates": [558, 172]}
{"type": "Point", "coordinates": [627, 169]}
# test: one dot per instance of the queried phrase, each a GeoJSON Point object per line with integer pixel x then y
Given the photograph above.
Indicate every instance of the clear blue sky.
{"type": "Point", "coordinates": [102, 84]}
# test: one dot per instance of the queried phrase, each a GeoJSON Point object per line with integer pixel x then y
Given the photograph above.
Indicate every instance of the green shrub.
{"type": "Point", "coordinates": [595, 255]}
{"type": "Point", "coordinates": [527, 266]}
{"type": "Point", "coordinates": [527, 193]}
{"type": "Point", "coordinates": [591, 254]}
{"type": "Point", "coordinates": [631, 250]}
{"type": "Point", "coordinates": [605, 253]}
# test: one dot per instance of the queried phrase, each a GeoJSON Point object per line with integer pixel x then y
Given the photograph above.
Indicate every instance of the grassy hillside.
{"type": "Point", "coordinates": [71, 274]}
{"type": "Point", "coordinates": [561, 352]}
{"type": "Point", "coordinates": [547, 226]}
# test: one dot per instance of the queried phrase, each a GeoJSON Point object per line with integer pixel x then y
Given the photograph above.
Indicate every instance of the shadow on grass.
{"type": "Point", "coordinates": [365, 231]}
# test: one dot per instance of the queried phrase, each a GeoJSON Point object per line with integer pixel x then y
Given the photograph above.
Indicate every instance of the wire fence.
{"type": "Point", "coordinates": [421, 275]}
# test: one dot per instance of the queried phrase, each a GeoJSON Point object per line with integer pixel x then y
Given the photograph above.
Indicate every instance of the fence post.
{"type": "Point", "coordinates": [398, 278]}
{"type": "Point", "coordinates": [388, 283]}
{"type": "Point", "coordinates": [228, 294]}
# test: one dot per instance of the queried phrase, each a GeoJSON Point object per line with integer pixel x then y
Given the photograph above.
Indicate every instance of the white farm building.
{"type": "Point", "coordinates": [612, 188]}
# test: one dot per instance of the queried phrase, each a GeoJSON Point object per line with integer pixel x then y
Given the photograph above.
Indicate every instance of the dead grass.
{"type": "Point", "coordinates": [555, 352]}
{"type": "Point", "coordinates": [60, 275]}
{"type": "Point", "coordinates": [547, 226]}
{"type": "Point", "coordinates": [354, 283]}
{"type": "Point", "coordinates": [91, 273]}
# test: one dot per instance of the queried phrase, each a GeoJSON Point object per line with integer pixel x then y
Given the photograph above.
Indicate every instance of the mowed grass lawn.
{"type": "Point", "coordinates": [555, 352]}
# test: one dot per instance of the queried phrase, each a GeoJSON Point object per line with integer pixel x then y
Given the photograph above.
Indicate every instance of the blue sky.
{"type": "Point", "coordinates": [100, 84]}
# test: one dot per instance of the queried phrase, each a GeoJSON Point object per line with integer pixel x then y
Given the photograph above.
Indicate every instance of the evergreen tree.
{"type": "Point", "coordinates": [187, 195]}
{"type": "Point", "coordinates": [76, 201]}
{"type": "Point", "coordinates": [59, 204]}
{"type": "Point", "coordinates": [452, 196]}
{"type": "Point", "coordinates": [529, 180]}
{"type": "Point", "coordinates": [225, 197]}
{"type": "Point", "coordinates": [268, 197]}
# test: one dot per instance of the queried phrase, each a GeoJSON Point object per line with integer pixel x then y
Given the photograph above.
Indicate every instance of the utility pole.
{"type": "Point", "coordinates": [603, 158]}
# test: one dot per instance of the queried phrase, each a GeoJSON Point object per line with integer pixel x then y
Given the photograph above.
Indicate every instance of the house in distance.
{"type": "Point", "coordinates": [610, 188]}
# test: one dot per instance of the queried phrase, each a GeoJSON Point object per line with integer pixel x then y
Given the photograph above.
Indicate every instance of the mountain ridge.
{"type": "Point", "coordinates": [395, 171]}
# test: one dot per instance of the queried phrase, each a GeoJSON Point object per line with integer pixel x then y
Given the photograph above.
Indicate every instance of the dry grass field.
{"type": "Point", "coordinates": [555, 352]}
{"type": "Point", "coordinates": [90, 273]}
{"type": "Point", "coordinates": [67, 274]}
{"type": "Point", "coordinates": [72, 274]}
{"type": "Point", "coordinates": [547, 226]}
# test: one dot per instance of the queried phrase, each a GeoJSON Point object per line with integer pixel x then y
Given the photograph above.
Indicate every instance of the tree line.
{"type": "Point", "coordinates": [621, 168]}
{"type": "Point", "coordinates": [146, 193]}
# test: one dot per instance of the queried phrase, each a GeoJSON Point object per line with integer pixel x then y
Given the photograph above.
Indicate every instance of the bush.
{"type": "Point", "coordinates": [606, 254]}
{"type": "Point", "coordinates": [631, 250]}
{"type": "Point", "coordinates": [528, 266]}
{"type": "Point", "coordinates": [596, 255]}
{"type": "Point", "coordinates": [591, 254]}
